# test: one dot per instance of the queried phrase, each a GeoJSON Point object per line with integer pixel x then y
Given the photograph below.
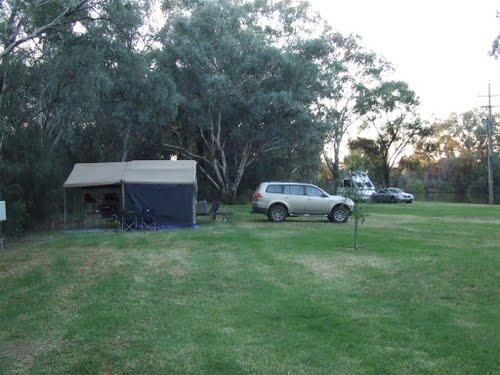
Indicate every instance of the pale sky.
{"type": "Point", "coordinates": [440, 47]}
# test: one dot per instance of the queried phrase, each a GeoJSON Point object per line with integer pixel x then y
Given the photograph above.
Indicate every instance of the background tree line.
{"type": "Point", "coordinates": [252, 90]}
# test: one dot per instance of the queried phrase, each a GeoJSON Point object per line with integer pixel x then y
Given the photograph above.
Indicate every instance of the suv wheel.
{"type": "Point", "coordinates": [277, 213]}
{"type": "Point", "coordinates": [339, 214]}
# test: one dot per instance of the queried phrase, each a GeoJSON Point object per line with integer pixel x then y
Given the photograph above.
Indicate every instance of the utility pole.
{"type": "Point", "coordinates": [489, 131]}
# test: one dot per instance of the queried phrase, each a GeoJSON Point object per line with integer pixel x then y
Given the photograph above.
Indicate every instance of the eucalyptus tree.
{"type": "Point", "coordinates": [244, 91]}
{"type": "Point", "coordinates": [347, 71]}
{"type": "Point", "coordinates": [133, 100]}
{"type": "Point", "coordinates": [390, 111]}
{"type": "Point", "coordinates": [23, 21]}
{"type": "Point", "coordinates": [74, 92]}
{"type": "Point", "coordinates": [495, 47]}
{"type": "Point", "coordinates": [456, 155]}
{"type": "Point", "coordinates": [24, 25]}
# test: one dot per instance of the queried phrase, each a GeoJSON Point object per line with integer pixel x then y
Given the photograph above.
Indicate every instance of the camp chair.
{"type": "Point", "coordinates": [129, 221]}
{"type": "Point", "coordinates": [111, 222]}
{"type": "Point", "coordinates": [148, 220]}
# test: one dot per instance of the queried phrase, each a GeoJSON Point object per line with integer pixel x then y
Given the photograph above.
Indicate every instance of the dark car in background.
{"type": "Point", "coordinates": [392, 195]}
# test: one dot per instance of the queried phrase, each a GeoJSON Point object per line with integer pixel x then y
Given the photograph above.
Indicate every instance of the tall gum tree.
{"type": "Point", "coordinates": [241, 93]}
{"type": "Point", "coordinates": [24, 23]}
{"type": "Point", "coordinates": [495, 47]}
{"type": "Point", "coordinates": [390, 111]}
{"type": "Point", "coordinates": [347, 70]}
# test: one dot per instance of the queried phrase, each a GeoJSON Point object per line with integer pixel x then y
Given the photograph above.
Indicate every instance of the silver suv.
{"type": "Point", "coordinates": [281, 199]}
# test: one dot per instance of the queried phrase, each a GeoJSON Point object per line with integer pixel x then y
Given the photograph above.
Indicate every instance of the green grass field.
{"type": "Point", "coordinates": [420, 296]}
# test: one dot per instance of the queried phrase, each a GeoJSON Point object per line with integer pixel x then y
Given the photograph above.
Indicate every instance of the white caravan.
{"type": "Point", "coordinates": [358, 184]}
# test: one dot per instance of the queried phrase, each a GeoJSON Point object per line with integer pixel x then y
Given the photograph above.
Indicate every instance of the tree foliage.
{"type": "Point", "coordinates": [251, 89]}
{"type": "Point", "coordinates": [454, 158]}
{"type": "Point", "coordinates": [495, 47]}
{"type": "Point", "coordinates": [347, 71]}
{"type": "Point", "coordinates": [390, 111]}
{"type": "Point", "coordinates": [241, 96]}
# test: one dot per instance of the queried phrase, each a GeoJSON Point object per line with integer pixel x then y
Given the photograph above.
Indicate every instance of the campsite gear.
{"type": "Point", "coordinates": [148, 221]}
{"type": "Point", "coordinates": [167, 185]}
{"type": "Point", "coordinates": [202, 208]}
{"type": "Point", "coordinates": [129, 221]}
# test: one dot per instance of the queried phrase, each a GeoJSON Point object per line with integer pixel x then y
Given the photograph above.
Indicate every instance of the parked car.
{"type": "Point", "coordinates": [392, 195]}
{"type": "Point", "coordinates": [278, 200]}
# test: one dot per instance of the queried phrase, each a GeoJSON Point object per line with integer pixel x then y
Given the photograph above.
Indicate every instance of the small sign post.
{"type": "Point", "coordinates": [3, 217]}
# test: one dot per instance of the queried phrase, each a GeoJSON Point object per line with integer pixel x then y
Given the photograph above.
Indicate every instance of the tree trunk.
{"type": "Point", "coordinates": [125, 144]}
{"type": "Point", "coordinates": [334, 168]}
{"type": "Point", "coordinates": [229, 193]}
{"type": "Point", "coordinates": [386, 175]}
{"type": "Point", "coordinates": [334, 165]}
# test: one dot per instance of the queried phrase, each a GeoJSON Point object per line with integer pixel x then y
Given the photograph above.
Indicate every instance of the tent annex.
{"type": "Point", "coordinates": [165, 187]}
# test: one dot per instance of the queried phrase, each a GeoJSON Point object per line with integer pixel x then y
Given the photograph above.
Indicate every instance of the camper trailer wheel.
{"type": "Point", "coordinates": [339, 214]}
{"type": "Point", "coordinates": [277, 213]}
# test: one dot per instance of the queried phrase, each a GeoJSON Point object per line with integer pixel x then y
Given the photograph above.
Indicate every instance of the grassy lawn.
{"type": "Point", "coordinates": [421, 295]}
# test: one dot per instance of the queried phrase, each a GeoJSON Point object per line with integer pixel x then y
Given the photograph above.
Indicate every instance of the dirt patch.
{"type": "Point", "coordinates": [176, 262]}
{"type": "Point", "coordinates": [340, 266]}
{"type": "Point", "coordinates": [475, 220]}
{"type": "Point", "coordinates": [15, 268]}
{"type": "Point", "coordinates": [95, 263]}
{"type": "Point", "coordinates": [17, 350]}
{"type": "Point", "coordinates": [385, 221]}
{"type": "Point", "coordinates": [461, 322]}
{"type": "Point", "coordinates": [229, 261]}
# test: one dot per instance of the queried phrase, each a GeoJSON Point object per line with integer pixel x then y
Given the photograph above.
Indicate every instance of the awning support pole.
{"type": "Point", "coordinates": [123, 197]}
{"type": "Point", "coordinates": [65, 209]}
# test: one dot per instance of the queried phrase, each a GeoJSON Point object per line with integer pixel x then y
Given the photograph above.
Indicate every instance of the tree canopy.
{"type": "Point", "coordinates": [251, 89]}
{"type": "Point", "coordinates": [240, 95]}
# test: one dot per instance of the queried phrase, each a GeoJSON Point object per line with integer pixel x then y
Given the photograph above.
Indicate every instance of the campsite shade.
{"type": "Point", "coordinates": [137, 172]}
{"type": "Point", "coordinates": [95, 174]}
{"type": "Point", "coordinates": [160, 172]}
{"type": "Point", "coordinates": [170, 204]}
{"type": "Point", "coordinates": [166, 187]}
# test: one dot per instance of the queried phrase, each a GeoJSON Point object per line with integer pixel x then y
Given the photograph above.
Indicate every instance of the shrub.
{"type": "Point", "coordinates": [17, 218]}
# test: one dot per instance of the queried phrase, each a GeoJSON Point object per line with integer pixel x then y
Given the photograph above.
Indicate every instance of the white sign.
{"type": "Point", "coordinates": [3, 214]}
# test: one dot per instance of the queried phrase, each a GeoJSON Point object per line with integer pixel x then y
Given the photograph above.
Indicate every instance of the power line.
{"type": "Point", "coordinates": [489, 131]}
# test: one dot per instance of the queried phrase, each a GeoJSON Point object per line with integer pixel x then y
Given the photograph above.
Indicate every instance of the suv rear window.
{"type": "Point", "coordinates": [277, 189]}
{"type": "Point", "coordinates": [297, 190]}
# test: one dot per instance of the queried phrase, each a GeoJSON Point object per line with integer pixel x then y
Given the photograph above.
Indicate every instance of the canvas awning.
{"type": "Point", "coordinates": [95, 174]}
{"type": "Point", "coordinates": [133, 172]}
{"type": "Point", "coordinates": [160, 172]}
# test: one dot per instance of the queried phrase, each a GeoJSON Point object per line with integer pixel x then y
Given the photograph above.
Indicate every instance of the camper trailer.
{"type": "Point", "coordinates": [358, 184]}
